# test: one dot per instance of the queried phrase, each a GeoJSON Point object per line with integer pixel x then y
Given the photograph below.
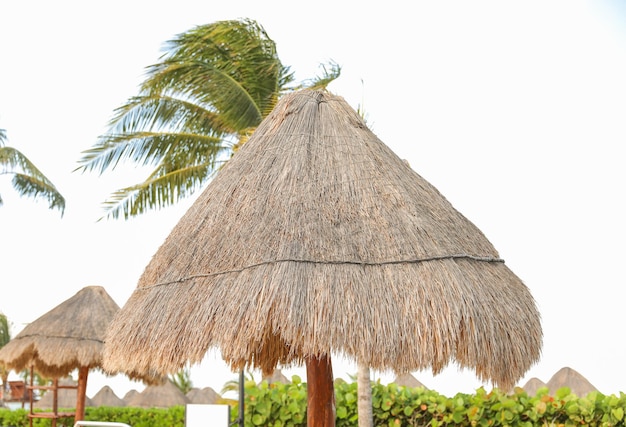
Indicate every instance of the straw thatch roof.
{"type": "Point", "coordinates": [533, 385]}
{"type": "Point", "coordinates": [159, 396]}
{"type": "Point", "coordinates": [130, 394]}
{"type": "Point", "coordinates": [315, 238]}
{"type": "Point", "coordinates": [204, 395]}
{"type": "Point", "coordinates": [568, 377]}
{"type": "Point", "coordinates": [66, 397]}
{"type": "Point", "coordinates": [69, 336]}
{"type": "Point", "coordinates": [408, 380]}
{"type": "Point", "coordinates": [107, 397]}
{"type": "Point", "coordinates": [276, 377]}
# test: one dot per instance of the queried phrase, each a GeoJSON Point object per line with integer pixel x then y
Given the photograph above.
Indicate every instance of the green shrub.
{"type": "Point", "coordinates": [284, 405]}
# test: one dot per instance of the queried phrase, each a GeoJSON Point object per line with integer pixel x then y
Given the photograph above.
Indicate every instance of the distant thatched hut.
{"type": "Point", "coordinates": [205, 395]}
{"type": "Point", "coordinates": [66, 397]}
{"type": "Point", "coordinates": [408, 380]}
{"type": "Point", "coordinates": [276, 377]}
{"type": "Point", "coordinates": [68, 337]}
{"type": "Point", "coordinates": [533, 385]}
{"type": "Point", "coordinates": [162, 395]}
{"type": "Point", "coordinates": [568, 377]}
{"type": "Point", "coordinates": [130, 394]}
{"type": "Point", "coordinates": [107, 397]}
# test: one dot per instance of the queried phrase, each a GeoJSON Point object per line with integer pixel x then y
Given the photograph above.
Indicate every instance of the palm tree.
{"type": "Point", "coordinates": [27, 179]}
{"type": "Point", "coordinates": [212, 87]}
{"type": "Point", "coordinates": [182, 380]}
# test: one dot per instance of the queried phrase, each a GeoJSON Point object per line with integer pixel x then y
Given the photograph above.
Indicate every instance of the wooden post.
{"type": "Point", "coordinates": [81, 392]}
{"type": "Point", "coordinates": [55, 401]}
{"type": "Point", "coordinates": [320, 392]}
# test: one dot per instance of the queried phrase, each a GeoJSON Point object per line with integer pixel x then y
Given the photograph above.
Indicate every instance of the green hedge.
{"type": "Point", "coordinates": [282, 405]}
{"type": "Point", "coordinates": [135, 417]}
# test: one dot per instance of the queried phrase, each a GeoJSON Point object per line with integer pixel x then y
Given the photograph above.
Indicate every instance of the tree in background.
{"type": "Point", "coordinates": [182, 380]}
{"type": "Point", "coordinates": [27, 179]}
{"type": "Point", "coordinates": [5, 337]}
{"type": "Point", "coordinates": [212, 87]}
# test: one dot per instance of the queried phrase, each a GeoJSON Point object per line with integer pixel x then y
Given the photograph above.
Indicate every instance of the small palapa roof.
{"type": "Point", "coordinates": [159, 396]}
{"type": "Point", "coordinates": [408, 380]}
{"type": "Point", "coordinates": [69, 336]}
{"type": "Point", "coordinates": [107, 397]}
{"type": "Point", "coordinates": [533, 385]}
{"type": "Point", "coordinates": [130, 394]}
{"type": "Point", "coordinates": [204, 395]}
{"type": "Point", "coordinates": [66, 397]}
{"type": "Point", "coordinates": [276, 377]}
{"type": "Point", "coordinates": [568, 377]}
{"type": "Point", "coordinates": [316, 238]}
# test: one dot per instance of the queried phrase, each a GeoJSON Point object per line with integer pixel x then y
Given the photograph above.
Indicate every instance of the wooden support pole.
{"type": "Point", "coordinates": [55, 401]}
{"type": "Point", "coordinates": [320, 392]}
{"type": "Point", "coordinates": [81, 392]}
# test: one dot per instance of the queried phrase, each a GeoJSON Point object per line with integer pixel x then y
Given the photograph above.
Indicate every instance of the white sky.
{"type": "Point", "coordinates": [514, 110]}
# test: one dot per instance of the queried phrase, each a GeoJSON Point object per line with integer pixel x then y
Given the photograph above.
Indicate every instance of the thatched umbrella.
{"type": "Point", "coordinates": [568, 377]}
{"type": "Point", "coordinates": [533, 385]}
{"type": "Point", "coordinates": [276, 377]}
{"type": "Point", "coordinates": [68, 337]}
{"type": "Point", "coordinates": [159, 396]}
{"type": "Point", "coordinates": [107, 397]}
{"type": "Point", "coordinates": [204, 395]}
{"type": "Point", "coordinates": [65, 397]}
{"type": "Point", "coordinates": [130, 395]}
{"type": "Point", "coordinates": [408, 380]}
{"type": "Point", "coordinates": [316, 238]}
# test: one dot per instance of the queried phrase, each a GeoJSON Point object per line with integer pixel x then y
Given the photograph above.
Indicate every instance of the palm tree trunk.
{"type": "Point", "coordinates": [320, 392]}
{"type": "Point", "coordinates": [364, 392]}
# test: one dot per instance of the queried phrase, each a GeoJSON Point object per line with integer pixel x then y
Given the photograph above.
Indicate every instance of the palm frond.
{"type": "Point", "coordinates": [212, 88]}
{"type": "Point", "coordinates": [328, 75]}
{"type": "Point", "coordinates": [28, 180]}
{"type": "Point", "coordinates": [156, 192]}
{"type": "Point", "coordinates": [12, 161]}
{"type": "Point", "coordinates": [240, 50]}
{"type": "Point", "coordinates": [165, 112]}
{"type": "Point", "coordinates": [147, 148]}
{"type": "Point", "coordinates": [39, 187]}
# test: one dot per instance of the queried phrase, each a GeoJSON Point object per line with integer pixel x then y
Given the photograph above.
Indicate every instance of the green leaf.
{"type": "Point", "coordinates": [258, 419]}
{"type": "Point", "coordinates": [618, 413]}
{"type": "Point", "coordinates": [342, 412]}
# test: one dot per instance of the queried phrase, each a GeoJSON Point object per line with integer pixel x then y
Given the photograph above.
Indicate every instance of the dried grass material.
{"type": "Point", "coordinates": [66, 397]}
{"type": "Point", "coordinates": [162, 395]}
{"type": "Point", "coordinates": [67, 337]}
{"type": "Point", "coordinates": [568, 377]}
{"type": "Point", "coordinates": [206, 396]}
{"type": "Point", "coordinates": [316, 238]}
{"type": "Point", "coordinates": [107, 397]}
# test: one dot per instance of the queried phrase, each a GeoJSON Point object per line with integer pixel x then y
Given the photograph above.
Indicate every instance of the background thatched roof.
{"type": "Point", "coordinates": [533, 385]}
{"type": "Point", "coordinates": [130, 395]}
{"type": "Point", "coordinates": [106, 397]}
{"type": "Point", "coordinates": [205, 395]}
{"type": "Point", "coordinates": [408, 380]}
{"type": "Point", "coordinates": [69, 336]}
{"type": "Point", "coordinates": [66, 397]}
{"type": "Point", "coordinates": [316, 238]}
{"type": "Point", "coordinates": [159, 396]}
{"type": "Point", "coordinates": [276, 377]}
{"type": "Point", "coordinates": [568, 377]}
